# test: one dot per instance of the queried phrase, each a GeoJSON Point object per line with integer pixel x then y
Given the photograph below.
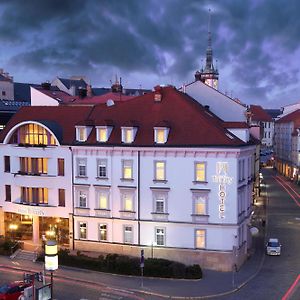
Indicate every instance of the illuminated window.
{"type": "Point", "coordinates": [161, 135]}
{"type": "Point", "coordinates": [35, 196]}
{"type": "Point", "coordinates": [103, 200]}
{"type": "Point", "coordinates": [128, 134]}
{"type": "Point", "coordinates": [102, 168]}
{"type": "Point", "coordinates": [200, 238]}
{"type": "Point", "coordinates": [160, 170]}
{"type": "Point", "coordinates": [127, 169]}
{"type": "Point", "coordinates": [200, 203]}
{"type": "Point", "coordinates": [33, 134]}
{"type": "Point", "coordinates": [160, 236]}
{"type": "Point", "coordinates": [82, 201]}
{"type": "Point", "coordinates": [103, 133]}
{"type": "Point", "coordinates": [33, 166]}
{"type": "Point", "coordinates": [200, 170]}
{"type": "Point", "coordinates": [81, 167]}
{"type": "Point", "coordinates": [81, 135]}
{"type": "Point", "coordinates": [128, 202]}
{"type": "Point", "coordinates": [102, 232]}
{"type": "Point", "coordinates": [82, 230]}
{"type": "Point", "coordinates": [128, 234]}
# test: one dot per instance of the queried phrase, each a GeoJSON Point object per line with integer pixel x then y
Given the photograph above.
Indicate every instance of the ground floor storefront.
{"type": "Point", "coordinates": [35, 229]}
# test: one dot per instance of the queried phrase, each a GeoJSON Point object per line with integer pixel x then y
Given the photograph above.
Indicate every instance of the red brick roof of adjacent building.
{"type": "Point", "coordinates": [259, 114]}
{"type": "Point", "coordinates": [189, 122]}
{"type": "Point", "coordinates": [292, 117]}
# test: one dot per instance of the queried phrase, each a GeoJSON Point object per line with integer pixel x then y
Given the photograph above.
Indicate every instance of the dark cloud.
{"type": "Point", "coordinates": [255, 42]}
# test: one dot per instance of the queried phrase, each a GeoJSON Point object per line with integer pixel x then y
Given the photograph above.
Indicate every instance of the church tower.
{"type": "Point", "coordinates": [209, 75]}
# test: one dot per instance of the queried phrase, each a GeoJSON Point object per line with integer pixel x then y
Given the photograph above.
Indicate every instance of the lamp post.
{"type": "Point", "coordinates": [51, 260]}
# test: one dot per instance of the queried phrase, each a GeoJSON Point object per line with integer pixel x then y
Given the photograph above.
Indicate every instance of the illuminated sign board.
{"type": "Point", "coordinates": [51, 263]}
{"type": "Point", "coordinates": [31, 211]}
{"type": "Point", "coordinates": [223, 180]}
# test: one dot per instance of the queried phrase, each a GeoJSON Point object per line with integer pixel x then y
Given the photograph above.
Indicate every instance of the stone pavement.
{"type": "Point", "coordinates": [211, 285]}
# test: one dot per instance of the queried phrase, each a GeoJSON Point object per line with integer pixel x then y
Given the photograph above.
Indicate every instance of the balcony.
{"type": "Point", "coordinates": [127, 214]}
{"type": "Point", "coordinates": [82, 211]}
{"type": "Point", "coordinates": [102, 213]}
{"type": "Point", "coordinates": [160, 216]}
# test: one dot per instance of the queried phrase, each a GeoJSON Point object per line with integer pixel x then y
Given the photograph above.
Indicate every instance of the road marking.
{"type": "Point", "coordinates": [290, 290]}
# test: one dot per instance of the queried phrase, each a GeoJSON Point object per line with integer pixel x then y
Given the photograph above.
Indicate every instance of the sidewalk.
{"type": "Point", "coordinates": [213, 283]}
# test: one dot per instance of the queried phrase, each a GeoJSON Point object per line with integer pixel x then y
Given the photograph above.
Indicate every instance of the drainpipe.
{"type": "Point", "coordinates": [139, 202]}
{"type": "Point", "coordinates": [72, 174]}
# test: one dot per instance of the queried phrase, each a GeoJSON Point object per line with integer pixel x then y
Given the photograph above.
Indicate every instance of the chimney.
{"type": "Point", "coordinates": [157, 93]}
{"type": "Point", "coordinates": [46, 85]}
{"type": "Point", "coordinates": [82, 92]}
{"type": "Point", "coordinates": [89, 91]}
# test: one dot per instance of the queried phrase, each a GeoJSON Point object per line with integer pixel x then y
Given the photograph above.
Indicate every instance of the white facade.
{"type": "Point", "coordinates": [221, 105]}
{"type": "Point", "coordinates": [38, 98]}
{"type": "Point", "coordinates": [268, 133]}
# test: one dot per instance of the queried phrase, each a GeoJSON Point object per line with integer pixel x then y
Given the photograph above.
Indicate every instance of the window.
{"type": "Point", "coordinates": [82, 230]}
{"type": "Point", "coordinates": [7, 193]}
{"type": "Point", "coordinates": [160, 236]}
{"type": "Point", "coordinates": [160, 205]}
{"type": "Point", "coordinates": [34, 195]}
{"type": "Point", "coordinates": [33, 134]}
{"type": "Point", "coordinates": [102, 232]}
{"type": "Point", "coordinates": [103, 200]}
{"type": "Point", "coordinates": [200, 170]}
{"type": "Point", "coordinates": [33, 166]}
{"type": "Point", "coordinates": [200, 204]}
{"type": "Point", "coordinates": [61, 197]}
{"type": "Point", "coordinates": [128, 236]}
{"type": "Point", "coordinates": [127, 169]}
{"type": "Point", "coordinates": [60, 167]}
{"type": "Point", "coordinates": [7, 164]}
{"type": "Point", "coordinates": [81, 134]}
{"type": "Point", "coordinates": [161, 135]}
{"type": "Point", "coordinates": [3, 93]}
{"type": "Point", "coordinates": [102, 168]}
{"type": "Point", "coordinates": [128, 202]}
{"type": "Point", "coordinates": [127, 135]}
{"type": "Point", "coordinates": [82, 199]}
{"type": "Point", "coordinates": [160, 170]}
{"type": "Point", "coordinates": [81, 167]}
{"type": "Point", "coordinates": [103, 133]}
{"type": "Point", "coordinates": [199, 238]}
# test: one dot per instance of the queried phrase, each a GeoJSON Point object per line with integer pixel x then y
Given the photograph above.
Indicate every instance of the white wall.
{"type": "Point", "coordinates": [40, 99]}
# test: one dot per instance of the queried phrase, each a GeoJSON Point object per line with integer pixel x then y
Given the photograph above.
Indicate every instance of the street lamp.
{"type": "Point", "coordinates": [51, 260]}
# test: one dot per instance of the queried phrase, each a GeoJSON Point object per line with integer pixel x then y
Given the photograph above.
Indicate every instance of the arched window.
{"type": "Point", "coordinates": [32, 134]}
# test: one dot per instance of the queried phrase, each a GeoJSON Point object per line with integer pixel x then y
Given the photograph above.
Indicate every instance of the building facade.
{"type": "Point", "coordinates": [116, 179]}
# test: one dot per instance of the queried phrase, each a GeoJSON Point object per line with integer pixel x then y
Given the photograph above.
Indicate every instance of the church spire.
{"type": "Point", "coordinates": [210, 74]}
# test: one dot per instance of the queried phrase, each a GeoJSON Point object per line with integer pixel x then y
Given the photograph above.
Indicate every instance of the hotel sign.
{"type": "Point", "coordinates": [223, 180]}
{"type": "Point", "coordinates": [31, 211]}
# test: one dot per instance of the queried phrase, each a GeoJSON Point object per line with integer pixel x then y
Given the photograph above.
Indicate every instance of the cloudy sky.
{"type": "Point", "coordinates": [150, 42]}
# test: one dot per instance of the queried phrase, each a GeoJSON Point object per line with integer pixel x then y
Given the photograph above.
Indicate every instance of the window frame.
{"type": "Point", "coordinates": [7, 164]}
{"type": "Point", "coordinates": [60, 167]}
{"type": "Point", "coordinates": [196, 196]}
{"type": "Point", "coordinates": [104, 230]}
{"type": "Point", "coordinates": [124, 234]}
{"type": "Point", "coordinates": [80, 223]}
{"type": "Point", "coordinates": [79, 198]}
{"type": "Point", "coordinates": [130, 164]}
{"type": "Point", "coordinates": [99, 161]}
{"type": "Point", "coordinates": [165, 131]}
{"type": "Point", "coordinates": [81, 130]}
{"type": "Point", "coordinates": [8, 193]}
{"type": "Point", "coordinates": [156, 170]}
{"type": "Point", "coordinates": [156, 228]}
{"type": "Point", "coordinates": [124, 194]}
{"type": "Point", "coordinates": [61, 197]}
{"type": "Point", "coordinates": [79, 164]}
{"type": "Point", "coordinates": [196, 238]}
{"type": "Point", "coordinates": [196, 163]}
{"type": "Point", "coordinates": [104, 191]}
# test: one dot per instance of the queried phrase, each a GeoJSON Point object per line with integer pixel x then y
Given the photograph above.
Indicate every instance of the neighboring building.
{"type": "Point", "coordinates": [158, 172]}
{"type": "Point", "coordinates": [6, 86]}
{"type": "Point", "coordinates": [259, 117]}
{"type": "Point", "coordinates": [287, 145]}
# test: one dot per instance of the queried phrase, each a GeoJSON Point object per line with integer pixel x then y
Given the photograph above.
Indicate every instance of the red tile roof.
{"type": "Point", "coordinates": [190, 123]}
{"type": "Point", "coordinates": [259, 114]}
{"type": "Point", "coordinates": [292, 117]}
{"type": "Point", "coordinates": [65, 98]}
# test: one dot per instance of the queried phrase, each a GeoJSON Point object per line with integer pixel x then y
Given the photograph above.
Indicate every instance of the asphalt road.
{"type": "Point", "coordinates": [278, 273]}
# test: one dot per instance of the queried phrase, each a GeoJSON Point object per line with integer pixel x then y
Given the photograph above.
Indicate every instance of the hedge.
{"type": "Point", "coordinates": [127, 265]}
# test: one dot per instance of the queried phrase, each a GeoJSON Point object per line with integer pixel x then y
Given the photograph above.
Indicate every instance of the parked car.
{"type": "Point", "coordinates": [12, 291]}
{"type": "Point", "coordinates": [273, 247]}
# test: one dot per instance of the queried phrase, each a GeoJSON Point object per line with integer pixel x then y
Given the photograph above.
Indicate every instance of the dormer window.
{"type": "Point", "coordinates": [103, 133]}
{"type": "Point", "coordinates": [161, 135]}
{"type": "Point", "coordinates": [128, 134]}
{"type": "Point", "coordinates": [82, 133]}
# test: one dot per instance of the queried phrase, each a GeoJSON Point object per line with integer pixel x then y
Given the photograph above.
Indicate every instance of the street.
{"type": "Point", "coordinates": [283, 222]}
